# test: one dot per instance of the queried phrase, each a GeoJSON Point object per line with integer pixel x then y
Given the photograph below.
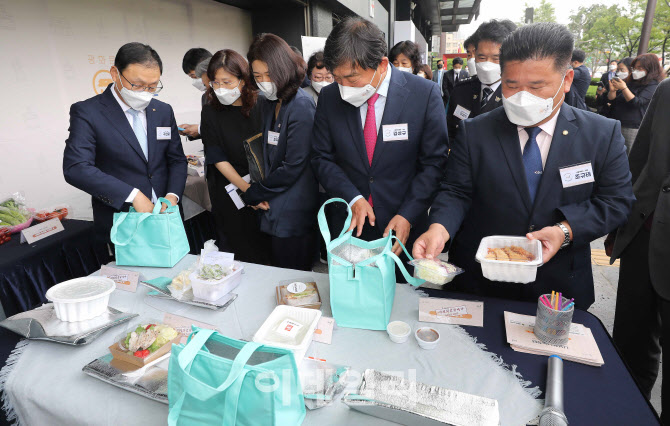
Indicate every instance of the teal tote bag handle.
{"type": "Point", "coordinates": [323, 224]}
{"type": "Point", "coordinates": [145, 216]}
{"type": "Point", "coordinates": [410, 279]}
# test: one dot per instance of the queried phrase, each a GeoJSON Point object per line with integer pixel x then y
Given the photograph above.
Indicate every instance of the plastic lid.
{"type": "Point", "coordinates": [80, 289]}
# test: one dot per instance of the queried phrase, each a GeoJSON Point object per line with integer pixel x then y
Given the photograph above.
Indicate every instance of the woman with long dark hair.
{"type": "Point", "coordinates": [405, 56]}
{"type": "Point", "coordinates": [287, 196]}
{"type": "Point", "coordinates": [630, 96]}
{"type": "Point", "coordinates": [230, 116]}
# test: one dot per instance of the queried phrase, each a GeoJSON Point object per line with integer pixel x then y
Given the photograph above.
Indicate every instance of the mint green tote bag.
{"type": "Point", "coordinates": [217, 380]}
{"type": "Point", "coordinates": [149, 239]}
{"type": "Point", "coordinates": [362, 292]}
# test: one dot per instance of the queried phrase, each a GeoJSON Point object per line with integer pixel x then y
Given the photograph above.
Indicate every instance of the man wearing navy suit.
{"type": "Point", "coordinates": [379, 137]}
{"type": "Point", "coordinates": [581, 81]}
{"type": "Point", "coordinates": [124, 147]}
{"type": "Point", "coordinates": [536, 167]}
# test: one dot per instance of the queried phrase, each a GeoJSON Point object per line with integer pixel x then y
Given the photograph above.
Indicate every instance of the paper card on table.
{"type": "Point", "coordinates": [231, 189]}
{"type": "Point", "coordinates": [183, 325]}
{"type": "Point", "coordinates": [324, 330]}
{"type": "Point", "coordinates": [217, 258]}
{"type": "Point", "coordinates": [42, 230]}
{"type": "Point", "coordinates": [125, 280]}
{"type": "Point", "coordinates": [451, 311]}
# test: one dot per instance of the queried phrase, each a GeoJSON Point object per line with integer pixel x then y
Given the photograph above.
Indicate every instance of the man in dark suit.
{"type": "Point", "coordinates": [603, 88]}
{"type": "Point", "coordinates": [536, 167]}
{"type": "Point", "coordinates": [642, 317]}
{"type": "Point", "coordinates": [192, 65]}
{"type": "Point", "coordinates": [480, 93]}
{"type": "Point", "coordinates": [452, 77]}
{"type": "Point", "coordinates": [438, 75]}
{"type": "Point", "coordinates": [387, 160]}
{"type": "Point", "coordinates": [581, 82]}
{"type": "Point", "coordinates": [124, 148]}
{"type": "Point", "coordinates": [610, 74]}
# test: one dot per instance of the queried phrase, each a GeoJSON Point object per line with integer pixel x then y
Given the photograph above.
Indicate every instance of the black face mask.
{"type": "Point", "coordinates": [439, 66]}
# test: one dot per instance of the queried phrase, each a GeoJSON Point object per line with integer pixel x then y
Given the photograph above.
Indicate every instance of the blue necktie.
{"type": "Point", "coordinates": [532, 161]}
{"type": "Point", "coordinates": [140, 133]}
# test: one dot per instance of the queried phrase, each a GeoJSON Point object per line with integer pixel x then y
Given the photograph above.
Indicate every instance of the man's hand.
{"type": "Point", "coordinates": [172, 199]}
{"type": "Point", "coordinates": [189, 130]}
{"type": "Point", "coordinates": [142, 204]}
{"type": "Point", "coordinates": [552, 238]}
{"type": "Point", "coordinates": [431, 243]}
{"type": "Point", "coordinates": [401, 227]}
{"type": "Point", "coordinates": [359, 211]}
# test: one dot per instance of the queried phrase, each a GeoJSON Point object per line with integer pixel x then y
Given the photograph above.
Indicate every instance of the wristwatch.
{"type": "Point", "coordinates": [566, 241]}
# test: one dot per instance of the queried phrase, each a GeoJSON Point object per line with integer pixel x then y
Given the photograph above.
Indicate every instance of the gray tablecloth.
{"type": "Point", "coordinates": [47, 386]}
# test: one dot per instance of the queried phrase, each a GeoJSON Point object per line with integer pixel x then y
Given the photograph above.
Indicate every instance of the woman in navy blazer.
{"type": "Point", "coordinates": [288, 194]}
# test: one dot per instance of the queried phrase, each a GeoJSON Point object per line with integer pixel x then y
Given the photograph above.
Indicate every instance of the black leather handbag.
{"type": "Point", "coordinates": [253, 147]}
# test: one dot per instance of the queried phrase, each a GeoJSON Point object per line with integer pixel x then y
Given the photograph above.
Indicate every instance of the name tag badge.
{"type": "Point", "coordinates": [163, 133]}
{"type": "Point", "coordinates": [395, 132]}
{"type": "Point", "coordinates": [273, 138]}
{"type": "Point", "coordinates": [577, 175]}
{"type": "Point", "coordinates": [461, 112]}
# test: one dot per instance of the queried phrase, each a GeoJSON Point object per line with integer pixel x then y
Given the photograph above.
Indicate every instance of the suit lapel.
{"type": "Point", "coordinates": [353, 119]}
{"type": "Point", "coordinates": [508, 136]}
{"type": "Point", "coordinates": [152, 121]}
{"type": "Point", "coordinates": [395, 102]}
{"type": "Point", "coordinates": [494, 102]}
{"type": "Point", "coordinates": [476, 90]}
{"type": "Point", "coordinates": [118, 119]}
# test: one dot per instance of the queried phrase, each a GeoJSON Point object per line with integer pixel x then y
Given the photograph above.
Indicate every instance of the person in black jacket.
{"type": "Point", "coordinates": [630, 97]}
{"type": "Point", "coordinates": [581, 82]}
{"type": "Point", "coordinates": [230, 116]}
{"type": "Point", "coordinates": [452, 77]}
{"type": "Point", "coordinates": [622, 70]}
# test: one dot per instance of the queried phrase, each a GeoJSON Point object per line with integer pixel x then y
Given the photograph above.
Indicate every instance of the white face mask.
{"type": "Point", "coordinates": [409, 70]}
{"type": "Point", "coordinates": [198, 84]}
{"type": "Point", "coordinates": [472, 67]}
{"type": "Point", "coordinates": [136, 100]}
{"type": "Point", "coordinates": [269, 89]}
{"type": "Point", "coordinates": [357, 96]}
{"type": "Point", "coordinates": [525, 109]}
{"type": "Point", "coordinates": [638, 74]}
{"type": "Point", "coordinates": [488, 72]}
{"type": "Point", "coordinates": [612, 67]}
{"type": "Point", "coordinates": [622, 75]}
{"type": "Point", "coordinates": [228, 96]}
{"type": "Point", "coordinates": [318, 85]}
{"type": "Point", "coordinates": [421, 74]}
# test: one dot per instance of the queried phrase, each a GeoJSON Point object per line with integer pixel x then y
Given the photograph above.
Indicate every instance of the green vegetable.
{"type": "Point", "coordinates": [211, 272]}
{"type": "Point", "coordinates": [6, 217]}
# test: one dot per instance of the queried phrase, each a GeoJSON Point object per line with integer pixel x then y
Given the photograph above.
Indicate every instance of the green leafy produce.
{"type": "Point", "coordinates": [212, 272]}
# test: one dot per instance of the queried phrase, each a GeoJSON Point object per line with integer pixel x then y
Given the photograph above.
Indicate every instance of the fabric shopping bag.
{"type": "Point", "coordinates": [149, 239]}
{"type": "Point", "coordinates": [362, 276]}
{"type": "Point", "coordinates": [217, 380]}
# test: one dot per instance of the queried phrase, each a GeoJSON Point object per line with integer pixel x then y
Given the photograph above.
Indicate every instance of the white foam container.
{"type": "Point", "coordinates": [398, 331]}
{"type": "Point", "coordinates": [307, 316]}
{"type": "Point", "coordinates": [504, 271]}
{"type": "Point", "coordinates": [215, 290]}
{"type": "Point", "coordinates": [81, 299]}
{"type": "Point", "coordinates": [426, 344]}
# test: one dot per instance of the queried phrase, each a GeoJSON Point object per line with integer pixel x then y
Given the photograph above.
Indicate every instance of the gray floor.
{"type": "Point", "coordinates": [606, 279]}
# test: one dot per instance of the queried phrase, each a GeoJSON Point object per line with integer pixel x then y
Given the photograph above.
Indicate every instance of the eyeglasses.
{"type": "Point", "coordinates": [140, 88]}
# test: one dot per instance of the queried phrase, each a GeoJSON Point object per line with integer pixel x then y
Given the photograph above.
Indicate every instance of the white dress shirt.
{"type": "Point", "coordinates": [493, 87]}
{"type": "Point", "coordinates": [380, 104]}
{"type": "Point", "coordinates": [543, 138]}
{"type": "Point", "coordinates": [143, 117]}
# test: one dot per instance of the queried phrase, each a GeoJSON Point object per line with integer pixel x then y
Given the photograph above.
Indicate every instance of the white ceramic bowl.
{"type": "Point", "coordinates": [398, 331]}
{"type": "Point", "coordinates": [81, 299]}
{"type": "Point", "coordinates": [427, 337]}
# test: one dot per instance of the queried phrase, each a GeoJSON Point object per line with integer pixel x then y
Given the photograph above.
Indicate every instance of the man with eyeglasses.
{"type": "Point", "coordinates": [124, 148]}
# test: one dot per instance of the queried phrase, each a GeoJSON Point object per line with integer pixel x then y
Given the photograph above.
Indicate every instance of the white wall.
{"type": "Point", "coordinates": [50, 52]}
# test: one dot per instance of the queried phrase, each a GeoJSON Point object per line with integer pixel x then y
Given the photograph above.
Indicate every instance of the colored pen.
{"type": "Point", "coordinates": [560, 301]}
{"type": "Point", "coordinates": [568, 307]}
{"type": "Point", "coordinates": [552, 298]}
{"type": "Point", "coordinates": [543, 299]}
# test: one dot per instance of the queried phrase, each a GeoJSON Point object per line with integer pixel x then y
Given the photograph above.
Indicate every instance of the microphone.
{"type": "Point", "coordinates": [552, 414]}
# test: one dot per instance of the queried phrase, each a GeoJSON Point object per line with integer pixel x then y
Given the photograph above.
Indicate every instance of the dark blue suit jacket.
{"type": "Point", "coordinates": [404, 175]}
{"type": "Point", "coordinates": [580, 85]}
{"type": "Point", "coordinates": [103, 157]}
{"type": "Point", "coordinates": [289, 185]}
{"type": "Point", "coordinates": [485, 193]}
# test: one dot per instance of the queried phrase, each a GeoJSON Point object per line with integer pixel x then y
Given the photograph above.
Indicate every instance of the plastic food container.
{"type": "Point", "coordinates": [434, 270]}
{"type": "Point", "coordinates": [398, 331]}
{"type": "Point", "coordinates": [81, 298]}
{"type": "Point", "coordinates": [427, 337]}
{"type": "Point", "coordinates": [215, 290]}
{"type": "Point", "coordinates": [308, 317]}
{"type": "Point", "coordinates": [508, 271]}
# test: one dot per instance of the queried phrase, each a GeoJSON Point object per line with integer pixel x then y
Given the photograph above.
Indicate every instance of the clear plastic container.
{"type": "Point", "coordinates": [211, 290]}
{"type": "Point", "coordinates": [509, 271]}
{"type": "Point", "coordinates": [309, 318]}
{"type": "Point", "coordinates": [81, 298]}
{"type": "Point", "coordinates": [434, 270]}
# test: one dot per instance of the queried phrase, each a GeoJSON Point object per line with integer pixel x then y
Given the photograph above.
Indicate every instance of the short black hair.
{"type": "Point", "coordinates": [409, 49]}
{"type": "Point", "coordinates": [539, 41]}
{"type": "Point", "coordinates": [315, 61]}
{"type": "Point", "coordinates": [137, 53]}
{"type": "Point", "coordinates": [615, 61]}
{"type": "Point", "coordinates": [193, 57]}
{"type": "Point", "coordinates": [440, 60]}
{"type": "Point", "coordinates": [471, 41]}
{"type": "Point", "coordinates": [495, 31]}
{"type": "Point", "coordinates": [457, 61]}
{"type": "Point", "coordinates": [296, 51]}
{"type": "Point", "coordinates": [578, 55]}
{"type": "Point", "coordinates": [356, 41]}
